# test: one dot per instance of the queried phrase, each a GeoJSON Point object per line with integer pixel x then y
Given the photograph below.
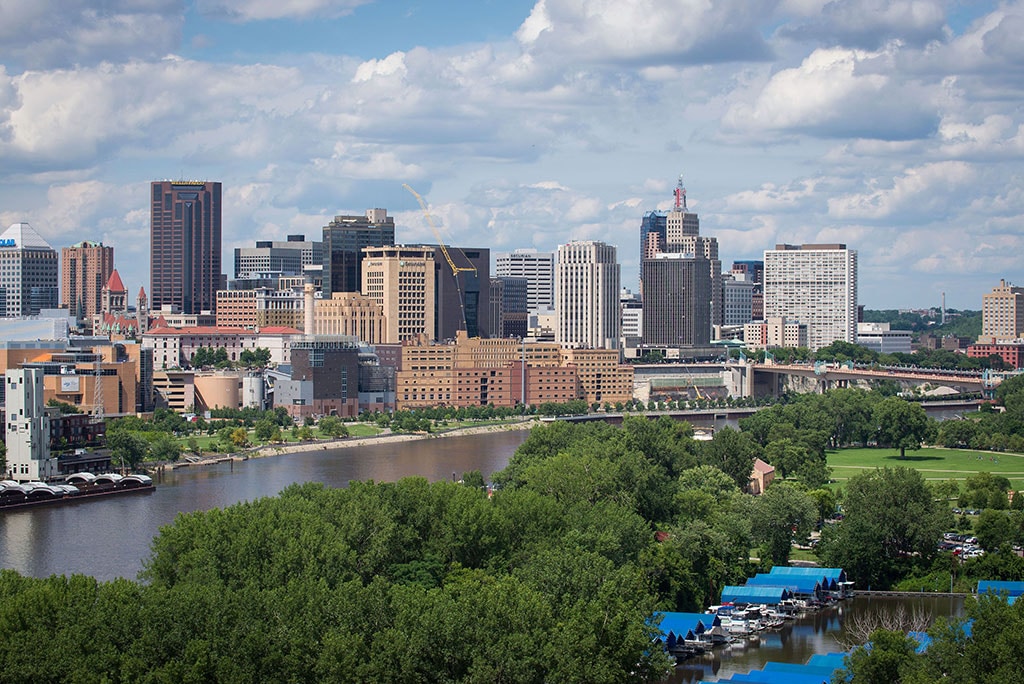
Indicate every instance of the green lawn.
{"type": "Point", "coordinates": [933, 463]}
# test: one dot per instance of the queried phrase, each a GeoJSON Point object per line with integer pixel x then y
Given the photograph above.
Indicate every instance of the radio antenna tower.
{"type": "Point", "coordinates": [680, 194]}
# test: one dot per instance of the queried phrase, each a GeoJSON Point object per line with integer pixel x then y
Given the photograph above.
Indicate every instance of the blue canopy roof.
{"type": "Point", "coordinates": [755, 594]}
{"type": "Point", "coordinates": [999, 587]}
{"type": "Point", "coordinates": [797, 584]}
{"type": "Point", "coordinates": [682, 625]}
{"type": "Point", "coordinates": [835, 574]}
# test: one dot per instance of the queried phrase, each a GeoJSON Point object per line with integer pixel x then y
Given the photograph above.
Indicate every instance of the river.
{"type": "Point", "coordinates": [110, 537]}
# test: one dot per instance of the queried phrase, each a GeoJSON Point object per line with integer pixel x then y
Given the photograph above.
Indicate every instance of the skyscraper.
{"type": "Point", "coordinates": [185, 245]}
{"type": "Point", "coordinates": [463, 298]}
{"type": "Point", "coordinates": [402, 282]}
{"type": "Point", "coordinates": [539, 270]}
{"type": "Point", "coordinates": [677, 300]}
{"type": "Point", "coordinates": [29, 272]}
{"type": "Point", "coordinates": [85, 269]}
{"type": "Point", "coordinates": [344, 239]}
{"type": "Point", "coordinates": [678, 232]}
{"type": "Point", "coordinates": [587, 278]}
{"type": "Point", "coordinates": [815, 285]}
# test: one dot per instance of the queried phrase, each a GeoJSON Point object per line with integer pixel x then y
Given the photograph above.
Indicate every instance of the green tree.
{"type": "Point", "coordinates": [63, 407]}
{"type": "Point", "coordinates": [239, 437]}
{"type": "Point", "coordinates": [265, 429]}
{"type": "Point", "coordinates": [891, 659]}
{"type": "Point", "coordinates": [164, 447]}
{"type": "Point", "coordinates": [783, 513]}
{"type": "Point", "coordinates": [127, 447]}
{"type": "Point", "coordinates": [891, 523]}
{"type": "Point", "coordinates": [332, 426]}
{"type": "Point", "coordinates": [995, 528]}
{"type": "Point", "coordinates": [901, 424]}
{"type": "Point", "coordinates": [731, 452]}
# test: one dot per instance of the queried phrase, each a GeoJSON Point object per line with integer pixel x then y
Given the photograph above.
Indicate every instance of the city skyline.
{"type": "Point", "coordinates": [888, 125]}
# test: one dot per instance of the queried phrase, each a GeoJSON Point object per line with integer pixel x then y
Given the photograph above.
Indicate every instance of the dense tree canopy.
{"type": "Point", "coordinates": [891, 524]}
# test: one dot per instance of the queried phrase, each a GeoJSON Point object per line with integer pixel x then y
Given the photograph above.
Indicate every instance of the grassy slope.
{"type": "Point", "coordinates": [934, 464]}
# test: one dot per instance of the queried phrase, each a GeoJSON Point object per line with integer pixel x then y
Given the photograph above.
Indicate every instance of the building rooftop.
{"type": "Point", "coordinates": [23, 236]}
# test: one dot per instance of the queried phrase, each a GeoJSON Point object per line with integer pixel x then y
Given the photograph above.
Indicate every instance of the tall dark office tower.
{"type": "Point", "coordinates": [677, 300]}
{"type": "Point", "coordinates": [462, 299]}
{"type": "Point", "coordinates": [344, 239]}
{"type": "Point", "coordinates": [185, 245]}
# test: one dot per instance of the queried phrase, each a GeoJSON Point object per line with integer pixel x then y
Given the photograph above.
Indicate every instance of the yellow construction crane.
{"type": "Point", "coordinates": [456, 269]}
{"type": "Point", "coordinates": [469, 323]}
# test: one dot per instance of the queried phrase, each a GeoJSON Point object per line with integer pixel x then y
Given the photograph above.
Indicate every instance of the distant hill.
{"type": "Point", "coordinates": [961, 323]}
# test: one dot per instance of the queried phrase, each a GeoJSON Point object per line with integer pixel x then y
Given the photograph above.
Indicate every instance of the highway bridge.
{"type": "Point", "coordinates": [756, 379]}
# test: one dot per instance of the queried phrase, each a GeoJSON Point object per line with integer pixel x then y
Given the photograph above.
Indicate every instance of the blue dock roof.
{"type": "Point", "coordinates": [999, 587]}
{"type": "Point", "coordinates": [797, 584]}
{"type": "Point", "coordinates": [755, 594]}
{"type": "Point", "coordinates": [834, 574]}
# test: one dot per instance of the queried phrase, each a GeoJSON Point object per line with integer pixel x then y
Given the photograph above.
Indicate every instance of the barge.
{"type": "Point", "coordinates": [76, 487]}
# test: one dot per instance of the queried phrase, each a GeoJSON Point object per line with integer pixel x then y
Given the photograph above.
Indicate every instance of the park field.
{"type": "Point", "coordinates": [933, 463]}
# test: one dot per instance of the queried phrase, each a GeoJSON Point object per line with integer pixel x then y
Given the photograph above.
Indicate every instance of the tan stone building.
{"type": "Point", "coordinates": [351, 314]}
{"type": "Point", "coordinates": [603, 378]}
{"type": "Point", "coordinates": [401, 280]}
{"type": "Point", "coordinates": [1002, 313]}
{"type": "Point", "coordinates": [478, 372]}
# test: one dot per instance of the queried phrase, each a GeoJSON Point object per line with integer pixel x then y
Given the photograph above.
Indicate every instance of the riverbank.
{"type": "Point", "coordinates": [350, 442]}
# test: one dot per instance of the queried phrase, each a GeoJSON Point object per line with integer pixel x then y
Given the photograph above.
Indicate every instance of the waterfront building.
{"type": "Point", "coordinates": [344, 239]}
{"type": "Point", "coordinates": [603, 378]}
{"type": "Point", "coordinates": [881, 338]}
{"type": "Point", "coordinates": [539, 270]}
{"type": "Point", "coordinates": [774, 333]}
{"type": "Point", "coordinates": [402, 281]}
{"type": "Point", "coordinates": [185, 245]}
{"type": "Point", "coordinates": [28, 427]}
{"type": "Point", "coordinates": [86, 268]}
{"type": "Point", "coordinates": [28, 272]}
{"type": "Point", "coordinates": [815, 285]}
{"type": "Point", "coordinates": [291, 256]}
{"type": "Point", "coordinates": [587, 277]}
{"type": "Point", "coordinates": [324, 378]}
{"type": "Point", "coordinates": [1002, 313]}
{"type": "Point", "coordinates": [478, 372]}
{"type": "Point", "coordinates": [677, 300]}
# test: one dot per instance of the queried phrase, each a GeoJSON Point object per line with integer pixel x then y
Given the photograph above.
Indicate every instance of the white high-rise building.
{"type": "Point", "coordinates": [815, 285]}
{"type": "Point", "coordinates": [539, 270]}
{"type": "Point", "coordinates": [30, 271]}
{"type": "Point", "coordinates": [28, 427]}
{"type": "Point", "coordinates": [587, 276]}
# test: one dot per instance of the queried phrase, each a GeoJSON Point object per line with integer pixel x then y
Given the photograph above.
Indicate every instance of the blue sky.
{"type": "Point", "coordinates": [895, 126]}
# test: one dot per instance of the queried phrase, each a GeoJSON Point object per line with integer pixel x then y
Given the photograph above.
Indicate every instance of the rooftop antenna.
{"type": "Point", "coordinates": [680, 194]}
